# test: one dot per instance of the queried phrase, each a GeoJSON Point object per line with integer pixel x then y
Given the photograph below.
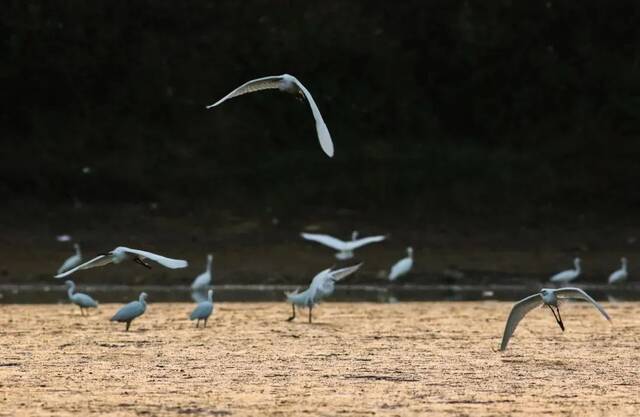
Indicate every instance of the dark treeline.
{"type": "Point", "coordinates": [479, 106]}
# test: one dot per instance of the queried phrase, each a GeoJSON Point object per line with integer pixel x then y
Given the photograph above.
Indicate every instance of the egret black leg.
{"type": "Point", "coordinates": [560, 319]}
{"type": "Point", "coordinates": [310, 309]}
{"type": "Point", "coordinates": [81, 311]}
{"type": "Point", "coordinates": [293, 316]}
{"type": "Point", "coordinates": [205, 322]}
{"type": "Point", "coordinates": [197, 323]}
{"type": "Point", "coordinates": [127, 328]}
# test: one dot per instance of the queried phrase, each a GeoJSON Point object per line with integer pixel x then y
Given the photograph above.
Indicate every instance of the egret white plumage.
{"type": "Point", "coordinates": [403, 266]}
{"type": "Point", "coordinates": [130, 311]}
{"type": "Point", "coordinates": [203, 310]}
{"type": "Point", "coordinates": [345, 248]}
{"type": "Point", "coordinates": [289, 84]}
{"type": "Point", "coordinates": [121, 254]}
{"type": "Point", "coordinates": [83, 301]}
{"type": "Point", "coordinates": [621, 274]}
{"type": "Point", "coordinates": [72, 261]}
{"type": "Point", "coordinates": [568, 275]}
{"type": "Point", "coordinates": [322, 285]}
{"type": "Point", "coordinates": [546, 297]}
{"type": "Point", "coordinates": [203, 280]}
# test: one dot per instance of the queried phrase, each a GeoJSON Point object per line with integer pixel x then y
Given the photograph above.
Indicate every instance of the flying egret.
{"type": "Point", "coordinates": [203, 280]}
{"type": "Point", "coordinates": [621, 274]}
{"type": "Point", "coordinates": [203, 310]}
{"type": "Point", "coordinates": [134, 309]}
{"type": "Point", "coordinates": [121, 254]}
{"type": "Point", "coordinates": [403, 266]}
{"type": "Point", "coordinates": [81, 300]}
{"type": "Point", "coordinates": [345, 249]}
{"type": "Point", "coordinates": [322, 285]}
{"type": "Point", "coordinates": [569, 274]}
{"type": "Point", "coordinates": [72, 261]}
{"type": "Point", "coordinates": [289, 84]}
{"type": "Point", "coordinates": [546, 297]}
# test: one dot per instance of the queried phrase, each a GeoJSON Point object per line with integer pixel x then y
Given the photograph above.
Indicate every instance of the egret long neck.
{"type": "Point", "coordinates": [71, 290]}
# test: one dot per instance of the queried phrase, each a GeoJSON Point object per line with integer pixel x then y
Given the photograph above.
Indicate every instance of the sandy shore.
{"type": "Point", "coordinates": [357, 359]}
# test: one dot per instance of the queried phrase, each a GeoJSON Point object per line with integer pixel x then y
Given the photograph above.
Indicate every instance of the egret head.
{"type": "Point", "coordinates": [577, 262]}
{"type": "Point", "coordinates": [354, 235]}
{"type": "Point", "coordinates": [410, 251]}
{"type": "Point", "coordinates": [143, 296]}
{"type": "Point", "coordinates": [210, 257]}
{"type": "Point", "coordinates": [545, 292]}
{"type": "Point", "coordinates": [624, 261]}
{"type": "Point", "coordinates": [76, 247]}
{"type": "Point", "coordinates": [69, 283]}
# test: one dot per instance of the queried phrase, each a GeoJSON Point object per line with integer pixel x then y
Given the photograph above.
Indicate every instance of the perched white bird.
{"type": "Point", "coordinates": [121, 254]}
{"type": "Point", "coordinates": [203, 310]}
{"type": "Point", "coordinates": [290, 84]}
{"type": "Point", "coordinates": [130, 311]}
{"type": "Point", "coordinates": [403, 266]}
{"type": "Point", "coordinates": [203, 280]}
{"type": "Point", "coordinates": [345, 249]}
{"type": "Point", "coordinates": [569, 274]}
{"type": "Point", "coordinates": [83, 301]}
{"type": "Point", "coordinates": [546, 297]}
{"type": "Point", "coordinates": [72, 261]}
{"type": "Point", "coordinates": [322, 285]}
{"type": "Point", "coordinates": [619, 275]}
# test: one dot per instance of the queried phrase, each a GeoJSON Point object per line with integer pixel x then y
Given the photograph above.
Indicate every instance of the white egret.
{"type": "Point", "coordinates": [621, 274]}
{"type": "Point", "coordinates": [403, 266]}
{"type": "Point", "coordinates": [345, 249]}
{"type": "Point", "coordinates": [289, 84]}
{"type": "Point", "coordinates": [121, 254]}
{"type": "Point", "coordinates": [83, 301]}
{"type": "Point", "coordinates": [72, 261]}
{"type": "Point", "coordinates": [568, 275]}
{"type": "Point", "coordinates": [322, 285]}
{"type": "Point", "coordinates": [546, 297]}
{"type": "Point", "coordinates": [203, 280]}
{"type": "Point", "coordinates": [130, 311]}
{"type": "Point", "coordinates": [203, 310]}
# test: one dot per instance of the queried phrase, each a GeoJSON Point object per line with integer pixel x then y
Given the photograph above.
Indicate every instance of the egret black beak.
{"type": "Point", "coordinates": [141, 262]}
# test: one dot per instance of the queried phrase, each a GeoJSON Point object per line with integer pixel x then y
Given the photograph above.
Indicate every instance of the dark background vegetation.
{"type": "Point", "coordinates": [500, 107]}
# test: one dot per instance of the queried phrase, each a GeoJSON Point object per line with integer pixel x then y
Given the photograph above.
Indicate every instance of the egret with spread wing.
{"type": "Point", "coordinates": [121, 254]}
{"type": "Point", "coordinates": [322, 285]}
{"type": "Point", "coordinates": [546, 297]}
{"type": "Point", "coordinates": [345, 248]}
{"type": "Point", "coordinates": [289, 84]}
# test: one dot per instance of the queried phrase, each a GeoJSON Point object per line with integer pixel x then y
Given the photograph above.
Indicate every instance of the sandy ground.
{"type": "Point", "coordinates": [356, 359]}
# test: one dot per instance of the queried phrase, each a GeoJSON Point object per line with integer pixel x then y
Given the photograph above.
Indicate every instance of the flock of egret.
{"type": "Point", "coordinates": [323, 284]}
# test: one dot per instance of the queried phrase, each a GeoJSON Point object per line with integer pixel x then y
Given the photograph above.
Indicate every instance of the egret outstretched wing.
{"type": "Point", "coordinates": [99, 260]}
{"type": "Point", "coordinates": [323, 132]}
{"type": "Point", "coordinates": [162, 260]}
{"type": "Point", "coordinates": [326, 240]}
{"type": "Point", "coordinates": [571, 292]}
{"type": "Point", "coordinates": [355, 244]}
{"type": "Point", "coordinates": [264, 83]}
{"type": "Point", "coordinates": [519, 310]}
{"type": "Point", "coordinates": [338, 274]}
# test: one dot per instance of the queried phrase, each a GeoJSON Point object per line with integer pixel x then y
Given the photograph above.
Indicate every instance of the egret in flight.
{"type": "Point", "coordinates": [546, 297]}
{"type": "Point", "coordinates": [121, 254]}
{"type": "Point", "coordinates": [289, 84]}
{"type": "Point", "coordinates": [322, 285]}
{"type": "Point", "coordinates": [345, 248]}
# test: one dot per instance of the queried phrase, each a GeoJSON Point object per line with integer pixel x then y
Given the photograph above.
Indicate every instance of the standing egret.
{"type": "Point", "coordinates": [289, 84]}
{"type": "Point", "coordinates": [546, 297]}
{"type": "Point", "coordinates": [203, 310]}
{"type": "Point", "coordinates": [345, 249]}
{"type": "Point", "coordinates": [203, 280]}
{"type": "Point", "coordinates": [81, 300]}
{"type": "Point", "coordinates": [322, 285]}
{"type": "Point", "coordinates": [72, 261]}
{"type": "Point", "coordinates": [121, 254]}
{"type": "Point", "coordinates": [619, 275]}
{"type": "Point", "coordinates": [130, 311]}
{"type": "Point", "coordinates": [568, 275]}
{"type": "Point", "coordinates": [403, 266]}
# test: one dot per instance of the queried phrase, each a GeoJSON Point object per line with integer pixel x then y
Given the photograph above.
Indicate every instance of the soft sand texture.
{"type": "Point", "coordinates": [357, 359]}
